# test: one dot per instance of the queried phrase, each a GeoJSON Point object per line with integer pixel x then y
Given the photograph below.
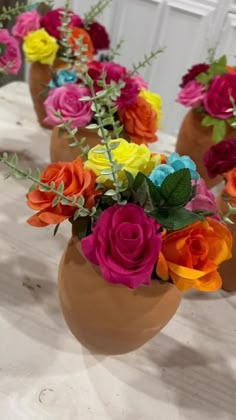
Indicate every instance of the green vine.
{"type": "Point", "coordinates": [65, 33]}
{"type": "Point", "coordinates": [114, 52]}
{"type": "Point", "coordinates": [146, 62]}
{"type": "Point", "coordinates": [7, 13]}
{"type": "Point", "coordinates": [95, 11]}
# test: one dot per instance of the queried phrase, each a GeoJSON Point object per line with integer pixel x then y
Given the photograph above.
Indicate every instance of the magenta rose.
{"type": "Point", "coordinates": [51, 22]}
{"type": "Point", "coordinates": [191, 95]}
{"type": "Point", "coordinates": [95, 69]}
{"type": "Point", "coordinates": [66, 99]}
{"type": "Point", "coordinates": [99, 36]}
{"type": "Point", "coordinates": [115, 72]}
{"type": "Point", "coordinates": [217, 99]}
{"type": "Point", "coordinates": [128, 93]}
{"type": "Point", "coordinates": [203, 200]}
{"type": "Point", "coordinates": [10, 60]}
{"type": "Point", "coordinates": [220, 158]}
{"type": "Point", "coordinates": [193, 72]}
{"type": "Point", "coordinates": [125, 244]}
{"type": "Point", "coordinates": [140, 82]}
{"type": "Point", "coordinates": [25, 23]}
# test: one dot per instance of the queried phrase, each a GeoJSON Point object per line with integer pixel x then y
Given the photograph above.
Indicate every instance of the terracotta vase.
{"type": "Point", "coordinates": [194, 140]}
{"type": "Point", "coordinates": [110, 319]}
{"type": "Point", "coordinates": [228, 268]}
{"type": "Point", "coordinates": [61, 151]}
{"type": "Point", "coordinates": [39, 76]}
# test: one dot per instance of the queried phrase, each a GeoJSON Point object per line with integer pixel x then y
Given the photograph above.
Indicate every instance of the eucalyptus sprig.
{"type": "Point", "coordinates": [114, 52]}
{"type": "Point", "coordinates": [75, 201]}
{"type": "Point", "coordinates": [9, 12]}
{"type": "Point", "coordinates": [146, 61]}
{"type": "Point", "coordinates": [66, 125]}
{"type": "Point", "coordinates": [65, 33]}
{"type": "Point", "coordinates": [95, 11]}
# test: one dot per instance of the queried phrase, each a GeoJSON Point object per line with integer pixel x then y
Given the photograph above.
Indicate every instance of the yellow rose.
{"type": "Point", "coordinates": [134, 157]}
{"type": "Point", "coordinates": [155, 101]}
{"type": "Point", "coordinates": [41, 47]}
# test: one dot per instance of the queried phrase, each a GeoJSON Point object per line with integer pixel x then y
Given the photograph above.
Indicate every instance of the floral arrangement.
{"type": "Point", "coordinates": [42, 36]}
{"type": "Point", "coordinates": [140, 217]}
{"type": "Point", "coordinates": [210, 89]}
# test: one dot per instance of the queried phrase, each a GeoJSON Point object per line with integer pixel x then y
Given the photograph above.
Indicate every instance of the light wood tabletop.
{"type": "Point", "coordinates": [187, 372]}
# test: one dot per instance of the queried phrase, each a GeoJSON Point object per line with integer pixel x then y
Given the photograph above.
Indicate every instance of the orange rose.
{"type": "Point", "coordinates": [139, 121]}
{"type": "Point", "coordinates": [77, 181]}
{"type": "Point", "coordinates": [230, 186]}
{"type": "Point", "coordinates": [191, 256]}
{"type": "Point", "coordinates": [76, 33]}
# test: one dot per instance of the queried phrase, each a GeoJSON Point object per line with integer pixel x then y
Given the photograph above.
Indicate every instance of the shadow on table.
{"type": "Point", "coordinates": [200, 385]}
{"type": "Point", "coordinates": [26, 160]}
{"type": "Point", "coordinates": [196, 295]}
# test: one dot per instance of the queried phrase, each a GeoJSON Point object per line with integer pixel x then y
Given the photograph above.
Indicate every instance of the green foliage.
{"type": "Point", "coordinates": [175, 218]}
{"type": "Point", "coordinates": [176, 188]}
{"type": "Point", "coordinates": [217, 67]}
{"type": "Point", "coordinates": [2, 48]}
{"type": "Point", "coordinates": [9, 12]}
{"type": "Point", "coordinates": [95, 11]}
{"type": "Point", "coordinates": [146, 61]}
{"type": "Point", "coordinates": [219, 127]}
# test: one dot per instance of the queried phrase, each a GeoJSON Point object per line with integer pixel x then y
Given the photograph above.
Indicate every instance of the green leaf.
{"type": "Point", "coordinates": [130, 179]}
{"type": "Point", "coordinates": [65, 202]}
{"type": "Point", "coordinates": [219, 131]}
{"type": "Point", "coordinates": [60, 188]}
{"type": "Point", "coordinates": [111, 192]}
{"type": "Point", "coordinates": [81, 201]}
{"type": "Point", "coordinates": [175, 218]}
{"type": "Point", "coordinates": [208, 121]}
{"type": "Point", "coordinates": [218, 67]}
{"type": "Point", "coordinates": [203, 78]}
{"type": "Point", "coordinates": [37, 174]}
{"type": "Point", "coordinates": [2, 48]}
{"type": "Point", "coordinates": [85, 99]}
{"type": "Point", "coordinates": [176, 188]}
{"type": "Point", "coordinates": [43, 188]}
{"type": "Point", "coordinates": [106, 172]}
{"type": "Point", "coordinates": [32, 188]}
{"type": "Point", "coordinates": [114, 145]}
{"type": "Point", "coordinates": [139, 179]}
{"type": "Point", "coordinates": [92, 126]}
{"type": "Point", "coordinates": [56, 201]}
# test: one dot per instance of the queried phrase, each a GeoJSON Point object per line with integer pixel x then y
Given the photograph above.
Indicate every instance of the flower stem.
{"type": "Point", "coordinates": [147, 60]}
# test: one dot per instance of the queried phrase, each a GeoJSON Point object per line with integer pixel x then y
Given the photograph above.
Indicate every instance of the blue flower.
{"type": "Point", "coordinates": [174, 163]}
{"type": "Point", "coordinates": [62, 77]}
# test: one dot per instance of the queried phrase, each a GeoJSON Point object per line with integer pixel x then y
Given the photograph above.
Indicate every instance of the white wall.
{"type": "Point", "coordinates": [187, 28]}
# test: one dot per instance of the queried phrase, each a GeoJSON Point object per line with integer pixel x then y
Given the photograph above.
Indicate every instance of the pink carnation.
{"type": "Point", "coordinates": [66, 99]}
{"type": "Point", "coordinates": [10, 60]}
{"type": "Point", "coordinates": [191, 95]}
{"type": "Point", "coordinates": [125, 244]}
{"type": "Point", "coordinates": [25, 23]}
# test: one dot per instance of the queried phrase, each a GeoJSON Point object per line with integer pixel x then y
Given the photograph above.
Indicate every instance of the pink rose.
{"type": "Point", "coordinates": [51, 22]}
{"type": "Point", "coordinates": [25, 23]}
{"type": "Point", "coordinates": [66, 99]}
{"type": "Point", "coordinates": [191, 95]}
{"type": "Point", "coordinates": [10, 60]}
{"type": "Point", "coordinates": [129, 93]}
{"type": "Point", "coordinates": [217, 99]}
{"type": "Point", "coordinates": [203, 200]}
{"type": "Point", "coordinates": [99, 36]}
{"type": "Point", "coordinates": [125, 244]}
{"type": "Point", "coordinates": [140, 82]}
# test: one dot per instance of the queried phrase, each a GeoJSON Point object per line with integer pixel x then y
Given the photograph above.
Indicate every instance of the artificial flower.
{"type": "Point", "coordinates": [193, 72]}
{"type": "Point", "coordinates": [173, 163]}
{"type": "Point", "coordinates": [77, 181]}
{"type": "Point", "coordinates": [230, 184]}
{"type": "Point", "coordinates": [134, 158]}
{"type": "Point", "coordinates": [128, 93]}
{"type": "Point", "coordinates": [218, 98]}
{"type": "Point", "coordinates": [99, 36]}
{"type": "Point", "coordinates": [25, 23]}
{"type": "Point", "coordinates": [139, 121]}
{"type": "Point", "coordinates": [41, 47]}
{"type": "Point", "coordinates": [155, 101]}
{"type": "Point", "coordinates": [63, 76]}
{"type": "Point", "coordinates": [230, 69]}
{"type": "Point", "coordinates": [203, 200]}
{"type": "Point", "coordinates": [114, 72]}
{"type": "Point", "coordinates": [193, 254]}
{"type": "Point", "coordinates": [66, 99]}
{"type": "Point", "coordinates": [220, 157]}
{"type": "Point", "coordinates": [125, 243]}
{"type": "Point", "coordinates": [51, 22]}
{"type": "Point", "coordinates": [75, 34]}
{"type": "Point", "coordinates": [191, 95]}
{"type": "Point", "coordinates": [10, 58]}
{"type": "Point", "coordinates": [140, 81]}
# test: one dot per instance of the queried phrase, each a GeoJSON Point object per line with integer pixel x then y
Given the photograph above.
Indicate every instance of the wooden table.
{"type": "Point", "coordinates": [188, 372]}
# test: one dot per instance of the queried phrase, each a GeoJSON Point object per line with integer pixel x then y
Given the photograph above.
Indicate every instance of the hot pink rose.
{"type": "Point", "coordinates": [140, 82]}
{"type": "Point", "coordinates": [191, 95]}
{"type": "Point", "coordinates": [25, 23]}
{"type": "Point", "coordinates": [217, 99]}
{"type": "Point", "coordinates": [66, 99]}
{"type": "Point", "coordinates": [10, 60]}
{"type": "Point", "coordinates": [203, 200]}
{"type": "Point", "coordinates": [129, 93]}
{"type": "Point", "coordinates": [115, 72]}
{"type": "Point", "coordinates": [125, 244]}
{"type": "Point", "coordinates": [51, 22]}
{"type": "Point", "coordinates": [99, 36]}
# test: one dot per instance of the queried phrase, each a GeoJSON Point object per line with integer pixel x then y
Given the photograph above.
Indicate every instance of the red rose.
{"type": "Point", "coordinates": [217, 98]}
{"type": "Point", "coordinates": [220, 158]}
{"type": "Point", "coordinates": [99, 36]}
{"type": "Point", "coordinates": [51, 22]}
{"type": "Point", "coordinates": [193, 73]}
